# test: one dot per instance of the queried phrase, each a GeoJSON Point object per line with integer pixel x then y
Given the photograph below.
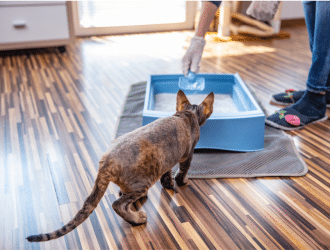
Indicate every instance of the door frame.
{"type": "Point", "coordinates": [191, 10]}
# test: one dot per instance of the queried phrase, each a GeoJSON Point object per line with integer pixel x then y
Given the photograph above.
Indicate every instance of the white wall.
{"type": "Point", "coordinates": [292, 10]}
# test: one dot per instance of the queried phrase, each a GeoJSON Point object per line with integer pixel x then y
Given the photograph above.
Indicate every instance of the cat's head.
{"type": "Point", "coordinates": [203, 111]}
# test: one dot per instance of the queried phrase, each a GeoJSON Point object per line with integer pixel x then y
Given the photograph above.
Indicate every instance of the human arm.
{"type": "Point", "coordinates": [193, 55]}
{"type": "Point", "coordinates": [208, 11]}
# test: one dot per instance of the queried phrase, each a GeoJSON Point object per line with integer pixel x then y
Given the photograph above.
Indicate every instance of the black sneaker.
{"type": "Point", "coordinates": [291, 96]}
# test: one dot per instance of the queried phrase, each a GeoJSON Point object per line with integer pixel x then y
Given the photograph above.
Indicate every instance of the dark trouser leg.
{"type": "Point", "coordinates": [317, 17]}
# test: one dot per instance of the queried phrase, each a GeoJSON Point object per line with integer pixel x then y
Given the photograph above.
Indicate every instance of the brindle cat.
{"type": "Point", "coordinates": [138, 159]}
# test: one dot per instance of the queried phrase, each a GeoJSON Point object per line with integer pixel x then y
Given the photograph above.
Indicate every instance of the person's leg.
{"type": "Point", "coordinates": [309, 10]}
{"type": "Point", "coordinates": [310, 19]}
{"type": "Point", "coordinates": [319, 73]}
{"type": "Point", "coordinates": [312, 106]}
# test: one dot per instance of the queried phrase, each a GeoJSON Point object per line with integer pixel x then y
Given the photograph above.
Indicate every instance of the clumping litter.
{"type": "Point", "coordinates": [223, 103]}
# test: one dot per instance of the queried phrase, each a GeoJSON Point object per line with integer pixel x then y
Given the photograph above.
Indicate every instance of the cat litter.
{"type": "Point", "coordinates": [223, 103]}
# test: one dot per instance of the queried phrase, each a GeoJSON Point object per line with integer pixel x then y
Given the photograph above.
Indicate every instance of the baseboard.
{"type": "Point", "coordinates": [293, 22]}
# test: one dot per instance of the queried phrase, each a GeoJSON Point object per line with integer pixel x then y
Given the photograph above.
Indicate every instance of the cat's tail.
{"type": "Point", "coordinates": [100, 186]}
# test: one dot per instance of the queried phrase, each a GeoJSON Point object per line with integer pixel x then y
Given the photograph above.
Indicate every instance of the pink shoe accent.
{"type": "Point", "coordinates": [293, 120]}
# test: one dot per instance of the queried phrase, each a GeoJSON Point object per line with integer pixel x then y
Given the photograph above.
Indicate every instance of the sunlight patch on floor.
{"type": "Point", "coordinates": [137, 48]}
{"type": "Point", "coordinates": [235, 49]}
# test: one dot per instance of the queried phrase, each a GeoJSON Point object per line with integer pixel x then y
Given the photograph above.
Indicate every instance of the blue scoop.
{"type": "Point", "coordinates": [191, 82]}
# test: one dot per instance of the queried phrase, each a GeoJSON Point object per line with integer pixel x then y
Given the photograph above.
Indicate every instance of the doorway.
{"type": "Point", "coordinates": [124, 17]}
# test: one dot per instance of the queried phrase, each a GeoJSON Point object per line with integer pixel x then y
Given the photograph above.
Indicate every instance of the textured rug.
{"type": "Point", "coordinates": [278, 158]}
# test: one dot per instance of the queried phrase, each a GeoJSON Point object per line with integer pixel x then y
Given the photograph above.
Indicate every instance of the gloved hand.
{"type": "Point", "coordinates": [263, 10]}
{"type": "Point", "coordinates": [193, 56]}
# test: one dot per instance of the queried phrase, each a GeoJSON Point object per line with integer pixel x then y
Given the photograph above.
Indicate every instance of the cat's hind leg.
{"type": "Point", "coordinates": [166, 180]}
{"type": "Point", "coordinates": [144, 196]}
{"type": "Point", "coordinates": [122, 207]}
{"type": "Point", "coordinates": [181, 178]}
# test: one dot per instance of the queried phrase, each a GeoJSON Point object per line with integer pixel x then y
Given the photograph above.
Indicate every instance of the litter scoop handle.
{"type": "Point", "coordinates": [191, 76]}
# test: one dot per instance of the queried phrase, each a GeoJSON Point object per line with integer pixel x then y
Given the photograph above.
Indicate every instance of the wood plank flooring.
{"type": "Point", "coordinates": [58, 115]}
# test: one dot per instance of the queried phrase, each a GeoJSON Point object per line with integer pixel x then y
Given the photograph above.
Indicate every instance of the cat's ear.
{"type": "Point", "coordinates": [181, 100]}
{"type": "Point", "coordinates": [208, 104]}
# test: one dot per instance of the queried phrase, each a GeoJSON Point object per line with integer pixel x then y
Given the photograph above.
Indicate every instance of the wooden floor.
{"type": "Point", "coordinates": [58, 115]}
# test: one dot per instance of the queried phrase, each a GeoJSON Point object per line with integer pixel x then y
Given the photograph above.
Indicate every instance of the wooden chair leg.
{"type": "Point", "coordinates": [225, 19]}
{"type": "Point", "coordinates": [276, 22]}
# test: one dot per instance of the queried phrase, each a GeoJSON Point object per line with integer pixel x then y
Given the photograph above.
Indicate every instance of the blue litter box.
{"type": "Point", "coordinates": [242, 130]}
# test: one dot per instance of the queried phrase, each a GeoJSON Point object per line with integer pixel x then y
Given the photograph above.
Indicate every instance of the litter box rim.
{"type": "Point", "coordinates": [215, 116]}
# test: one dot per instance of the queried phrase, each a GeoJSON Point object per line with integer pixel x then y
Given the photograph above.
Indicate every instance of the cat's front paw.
{"type": "Point", "coordinates": [167, 182]}
{"type": "Point", "coordinates": [169, 185]}
{"type": "Point", "coordinates": [181, 181]}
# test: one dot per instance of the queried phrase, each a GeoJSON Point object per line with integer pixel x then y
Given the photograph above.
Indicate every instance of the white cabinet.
{"type": "Point", "coordinates": [31, 24]}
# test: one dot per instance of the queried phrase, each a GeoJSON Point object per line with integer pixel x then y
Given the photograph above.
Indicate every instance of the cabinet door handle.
{"type": "Point", "coordinates": [19, 24]}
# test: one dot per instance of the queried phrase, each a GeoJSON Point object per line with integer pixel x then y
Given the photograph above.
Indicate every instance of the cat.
{"type": "Point", "coordinates": [137, 160]}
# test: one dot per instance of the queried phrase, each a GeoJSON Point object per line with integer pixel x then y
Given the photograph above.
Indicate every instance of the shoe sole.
{"type": "Point", "coordinates": [272, 99]}
{"type": "Point", "coordinates": [273, 124]}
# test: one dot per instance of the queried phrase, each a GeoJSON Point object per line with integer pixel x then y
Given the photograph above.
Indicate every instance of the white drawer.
{"type": "Point", "coordinates": [35, 23]}
{"type": "Point", "coordinates": [23, 3]}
